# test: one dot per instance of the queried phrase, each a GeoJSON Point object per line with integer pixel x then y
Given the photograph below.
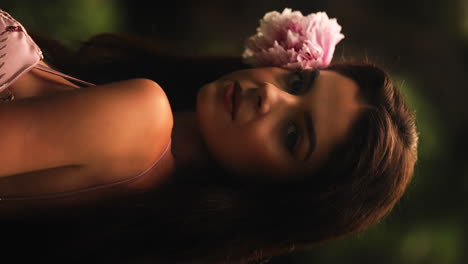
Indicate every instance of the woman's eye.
{"type": "Point", "coordinates": [301, 81]}
{"type": "Point", "coordinates": [296, 83]}
{"type": "Point", "coordinates": [292, 136]}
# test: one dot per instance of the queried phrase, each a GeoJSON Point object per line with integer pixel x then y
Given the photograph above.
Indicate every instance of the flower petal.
{"type": "Point", "coordinates": [291, 40]}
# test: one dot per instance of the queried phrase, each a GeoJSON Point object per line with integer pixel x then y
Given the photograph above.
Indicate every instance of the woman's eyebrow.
{"type": "Point", "coordinates": [310, 131]}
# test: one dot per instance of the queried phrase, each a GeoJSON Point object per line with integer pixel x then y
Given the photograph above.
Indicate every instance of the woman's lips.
{"type": "Point", "coordinates": [227, 98]}
{"type": "Point", "coordinates": [236, 99]}
{"type": "Point", "coordinates": [232, 98]}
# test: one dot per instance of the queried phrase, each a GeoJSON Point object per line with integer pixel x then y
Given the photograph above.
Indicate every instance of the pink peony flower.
{"type": "Point", "coordinates": [293, 41]}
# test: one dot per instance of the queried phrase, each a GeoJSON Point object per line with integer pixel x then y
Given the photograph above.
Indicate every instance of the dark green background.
{"type": "Point", "coordinates": [422, 43]}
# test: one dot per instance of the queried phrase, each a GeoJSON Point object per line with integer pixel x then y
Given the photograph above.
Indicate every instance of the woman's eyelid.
{"type": "Point", "coordinates": [309, 77]}
{"type": "Point", "coordinates": [300, 130]}
{"type": "Point", "coordinates": [300, 133]}
{"type": "Point", "coordinates": [297, 76]}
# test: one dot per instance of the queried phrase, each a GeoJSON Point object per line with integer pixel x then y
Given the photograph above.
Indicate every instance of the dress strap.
{"type": "Point", "coordinates": [98, 187]}
{"type": "Point", "coordinates": [50, 70]}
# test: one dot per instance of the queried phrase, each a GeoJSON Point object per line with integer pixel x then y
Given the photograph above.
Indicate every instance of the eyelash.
{"type": "Point", "coordinates": [291, 142]}
{"type": "Point", "coordinates": [297, 77]}
{"type": "Point", "coordinates": [305, 80]}
{"type": "Point", "coordinates": [296, 87]}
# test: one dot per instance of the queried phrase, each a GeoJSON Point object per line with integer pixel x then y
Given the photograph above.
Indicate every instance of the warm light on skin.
{"type": "Point", "coordinates": [255, 141]}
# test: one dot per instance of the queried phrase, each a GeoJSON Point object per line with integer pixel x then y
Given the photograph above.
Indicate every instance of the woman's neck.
{"type": "Point", "coordinates": [188, 148]}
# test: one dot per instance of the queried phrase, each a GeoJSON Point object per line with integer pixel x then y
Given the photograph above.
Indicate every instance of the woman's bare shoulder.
{"type": "Point", "coordinates": [115, 128]}
{"type": "Point", "coordinates": [149, 127]}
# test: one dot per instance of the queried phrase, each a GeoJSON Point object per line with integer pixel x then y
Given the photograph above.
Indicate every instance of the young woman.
{"type": "Point", "coordinates": [227, 164]}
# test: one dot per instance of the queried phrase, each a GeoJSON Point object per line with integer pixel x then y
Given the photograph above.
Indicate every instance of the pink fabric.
{"type": "Point", "coordinates": [19, 53]}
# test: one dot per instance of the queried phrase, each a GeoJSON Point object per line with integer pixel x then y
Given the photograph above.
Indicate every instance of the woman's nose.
{"type": "Point", "coordinates": [268, 96]}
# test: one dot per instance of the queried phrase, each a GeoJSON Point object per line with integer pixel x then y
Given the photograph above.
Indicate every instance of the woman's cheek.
{"type": "Point", "coordinates": [258, 142]}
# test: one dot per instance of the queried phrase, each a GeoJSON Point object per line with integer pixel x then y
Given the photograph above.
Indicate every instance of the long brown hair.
{"type": "Point", "coordinates": [202, 215]}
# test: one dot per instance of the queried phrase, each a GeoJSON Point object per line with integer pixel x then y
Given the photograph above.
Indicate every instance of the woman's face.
{"type": "Point", "coordinates": [274, 121]}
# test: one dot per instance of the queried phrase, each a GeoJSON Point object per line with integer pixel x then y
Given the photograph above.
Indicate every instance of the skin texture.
{"type": "Point", "coordinates": [268, 134]}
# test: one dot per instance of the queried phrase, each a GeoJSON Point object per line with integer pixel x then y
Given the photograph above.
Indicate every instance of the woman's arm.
{"type": "Point", "coordinates": [118, 127]}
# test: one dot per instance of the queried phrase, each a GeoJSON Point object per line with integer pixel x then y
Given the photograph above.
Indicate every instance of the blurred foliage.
{"type": "Point", "coordinates": [428, 118]}
{"type": "Point", "coordinates": [68, 21]}
{"type": "Point", "coordinates": [422, 43]}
